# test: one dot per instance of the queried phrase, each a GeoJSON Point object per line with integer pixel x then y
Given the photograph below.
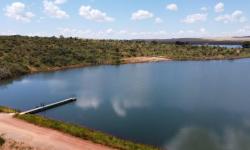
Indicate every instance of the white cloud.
{"type": "Point", "coordinates": [51, 9]}
{"type": "Point", "coordinates": [158, 20]}
{"type": "Point", "coordinates": [195, 18]}
{"type": "Point", "coordinates": [203, 30]}
{"type": "Point", "coordinates": [60, 1]}
{"type": "Point", "coordinates": [111, 34]}
{"type": "Point", "coordinates": [7, 32]}
{"type": "Point", "coordinates": [172, 7]}
{"type": "Point", "coordinates": [123, 32]}
{"type": "Point", "coordinates": [109, 31]}
{"type": "Point", "coordinates": [219, 7]}
{"type": "Point", "coordinates": [181, 32]}
{"type": "Point", "coordinates": [244, 30]}
{"type": "Point", "coordinates": [17, 11]}
{"type": "Point", "coordinates": [94, 14]}
{"type": "Point", "coordinates": [142, 15]}
{"type": "Point", "coordinates": [69, 32]}
{"type": "Point", "coordinates": [236, 16]}
{"type": "Point", "coordinates": [204, 9]}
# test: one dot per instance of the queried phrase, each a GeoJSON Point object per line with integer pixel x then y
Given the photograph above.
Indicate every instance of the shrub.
{"type": "Point", "coordinates": [1, 141]}
{"type": "Point", "coordinates": [246, 44]}
{"type": "Point", "coordinates": [4, 73]}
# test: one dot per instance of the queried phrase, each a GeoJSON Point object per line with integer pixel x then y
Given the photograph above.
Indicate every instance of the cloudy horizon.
{"type": "Point", "coordinates": [125, 19]}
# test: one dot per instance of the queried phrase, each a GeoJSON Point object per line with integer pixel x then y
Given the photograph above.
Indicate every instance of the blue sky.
{"type": "Point", "coordinates": [125, 19]}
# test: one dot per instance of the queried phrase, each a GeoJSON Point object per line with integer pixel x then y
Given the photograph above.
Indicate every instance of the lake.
{"type": "Point", "coordinates": [219, 45]}
{"type": "Point", "coordinates": [179, 105]}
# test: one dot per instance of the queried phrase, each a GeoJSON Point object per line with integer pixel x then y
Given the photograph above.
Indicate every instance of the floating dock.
{"type": "Point", "coordinates": [49, 106]}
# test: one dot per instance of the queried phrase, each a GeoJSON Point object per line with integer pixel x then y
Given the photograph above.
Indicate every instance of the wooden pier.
{"type": "Point", "coordinates": [49, 106]}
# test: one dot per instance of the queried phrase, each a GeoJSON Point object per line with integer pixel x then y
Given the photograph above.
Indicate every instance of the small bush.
{"type": "Point", "coordinates": [6, 110]}
{"type": "Point", "coordinates": [4, 73]}
{"type": "Point", "coordinates": [246, 44]}
{"type": "Point", "coordinates": [1, 141]}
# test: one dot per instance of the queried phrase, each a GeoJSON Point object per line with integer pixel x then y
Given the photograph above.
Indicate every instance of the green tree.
{"type": "Point", "coordinates": [246, 44]}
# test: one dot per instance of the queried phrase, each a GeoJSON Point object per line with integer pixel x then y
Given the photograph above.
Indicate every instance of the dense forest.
{"type": "Point", "coordinates": [22, 54]}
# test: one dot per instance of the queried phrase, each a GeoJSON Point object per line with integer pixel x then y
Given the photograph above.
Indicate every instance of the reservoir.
{"type": "Point", "coordinates": [220, 45]}
{"type": "Point", "coordinates": [174, 104]}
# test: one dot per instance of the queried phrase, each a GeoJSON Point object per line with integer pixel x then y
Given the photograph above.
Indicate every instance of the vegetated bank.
{"type": "Point", "coordinates": [21, 55]}
{"type": "Point", "coordinates": [85, 133]}
{"type": "Point", "coordinates": [79, 131]}
{"type": "Point", "coordinates": [246, 44]}
{"type": "Point", "coordinates": [6, 110]}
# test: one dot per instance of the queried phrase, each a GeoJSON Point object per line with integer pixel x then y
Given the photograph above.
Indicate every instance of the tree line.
{"type": "Point", "coordinates": [22, 54]}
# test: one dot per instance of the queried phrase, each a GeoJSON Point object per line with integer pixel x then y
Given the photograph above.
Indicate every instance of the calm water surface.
{"type": "Point", "coordinates": [190, 105]}
{"type": "Point", "coordinates": [220, 45]}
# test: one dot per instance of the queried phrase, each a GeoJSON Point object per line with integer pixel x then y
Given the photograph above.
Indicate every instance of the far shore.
{"type": "Point", "coordinates": [130, 60]}
{"type": "Point", "coordinates": [133, 60]}
{"type": "Point", "coordinates": [41, 54]}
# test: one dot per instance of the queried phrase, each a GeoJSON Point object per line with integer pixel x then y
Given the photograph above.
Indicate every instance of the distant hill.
{"type": "Point", "coordinates": [222, 40]}
{"type": "Point", "coordinates": [242, 37]}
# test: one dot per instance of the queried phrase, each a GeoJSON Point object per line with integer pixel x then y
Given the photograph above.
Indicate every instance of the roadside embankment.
{"type": "Point", "coordinates": [41, 133]}
{"type": "Point", "coordinates": [31, 136]}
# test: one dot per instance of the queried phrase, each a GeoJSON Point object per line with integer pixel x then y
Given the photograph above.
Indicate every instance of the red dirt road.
{"type": "Point", "coordinates": [42, 138]}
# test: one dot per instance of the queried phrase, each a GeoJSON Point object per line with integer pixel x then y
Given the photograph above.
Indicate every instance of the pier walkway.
{"type": "Point", "coordinates": [49, 106]}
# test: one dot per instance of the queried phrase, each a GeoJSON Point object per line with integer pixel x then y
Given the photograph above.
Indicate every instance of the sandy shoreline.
{"type": "Point", "coordinates": [130, 60]}
{"type": "Point", "coordinates": [133, 60]}
{"type": "Point", "coordinates": [21, 134]}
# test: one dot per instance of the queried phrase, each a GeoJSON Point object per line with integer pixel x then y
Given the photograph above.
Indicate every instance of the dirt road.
{"type": "Point", "coordinates": [42, 138]}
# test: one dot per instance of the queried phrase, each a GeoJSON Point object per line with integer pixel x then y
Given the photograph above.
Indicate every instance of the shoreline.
{"type": "Point", "coordinates": [26, 135]}
{"type": "Point", "coordinates": [17, 127]}
{"type": "Point", "coordinates": [130, 60]}
{"type": "Point", "coordinates": [43, 54]}
{"type": "Point", "coordinates": [136, 60]}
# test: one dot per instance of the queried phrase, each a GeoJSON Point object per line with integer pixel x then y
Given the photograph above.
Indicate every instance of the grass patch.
{"type": "Point", "coordinates": [85, 133]}
{"type": "Point", "coordinates": [6, 110]}
{"type": "Point", "coordinates": [2, 141]}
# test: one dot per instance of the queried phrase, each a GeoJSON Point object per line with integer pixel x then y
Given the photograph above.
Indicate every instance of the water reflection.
{"type": "Point", "coordinates": [57, 85]}
{"type": "Point", "coordinates": [192, 138]}
{"type": "Point", "coordinates": [86, 101]}
{"type": "Point", "coordinates": [122, 106]}
{"type": "Point", "coordinates": [188, 105]}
